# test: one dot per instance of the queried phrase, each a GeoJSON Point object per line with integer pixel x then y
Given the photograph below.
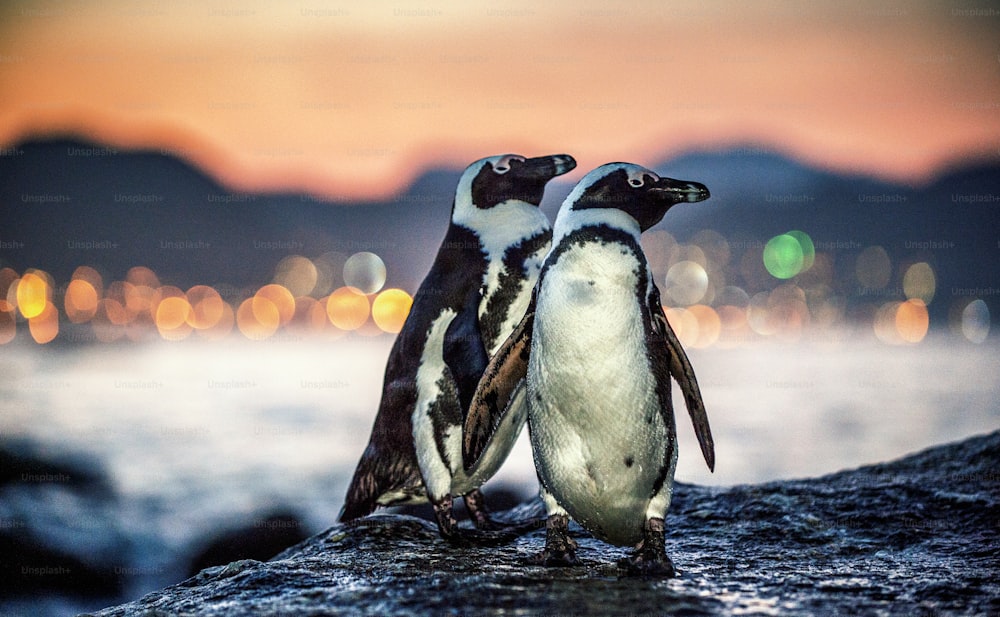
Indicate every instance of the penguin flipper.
{"type": "Point", "coordinates": [499, 387]}
{"type": "Point", "coordinates": [464, 352]}
{"type": "Point", "coordinates": [681, 370]}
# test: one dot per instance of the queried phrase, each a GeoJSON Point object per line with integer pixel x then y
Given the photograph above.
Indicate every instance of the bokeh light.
{"type": "Point", "coordinates": [873, 268]}
{"type": "Point", "coordinates": [80, 301]}
{"type": "Point", "coordinates": [684, 324]}
{"type": "Point", "coordinates": [140, 300]}
{"type": "Point", "coordinates": [709, 325]}
{"type": "Point", "coordinates": [257, 318]}
{"type": "Point", "coordinates": [221, 328]}
{"type": "Point", "coordinates": [919, 282]}
{"type": "Point", "coordinates": [365, 271]}
{"type": "Point", "coordinates": [297, 274]}
{"type": "Point", "coordinates": [720, 292]}
{"type": "Point", "coordinates": [329, 272]}
{"type": "Point", "coordinates": [783, 256]}
{"type": "Point", "coordinates": [885, 323]}
{"type": "Point", "coordinates": [142, 276]}
{"type": "Point", "coordinates": [347, 308]}
{"type": "Point", "coordinates": [279, 298]}
{"type": "Point", "coordinates": [976, 321]}
{"type": "Point", "coordinates": [109, 321]}
{"type": "Point", "coordinates": [92, 276]}
{"type": "Point", "coordinates": [807, 246]}
{"type": "Point", "coordinates": [33, 294]}
{"type": "Point", "coordinates": [686, 283]}
{"type": "Point", "coordinates": [390, 308]}
{"type": "Point", "coordinates": [44, 326]}
{"type": "Point", "coordinates": [207, 307]}
{"type": "Point", "coordinates": [310, 316]}
{"type": "Point", "coordinates": [912, 320]}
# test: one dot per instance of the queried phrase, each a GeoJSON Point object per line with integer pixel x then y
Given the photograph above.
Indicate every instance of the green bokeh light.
{"type": "Point", "coordinates": [808, 249]}
{"type": "Point", "coordinates": [783, 256]}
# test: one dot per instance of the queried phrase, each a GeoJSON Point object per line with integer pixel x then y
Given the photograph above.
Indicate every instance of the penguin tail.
{"type": "Point", "coordinates": [382, 480]}
{"type": "Point", "coordinates": [363, 492]}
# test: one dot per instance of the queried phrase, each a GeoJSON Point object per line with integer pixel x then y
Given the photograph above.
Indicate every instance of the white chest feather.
{"type": "Point", "coordinates": [430, 373]}
{"type": "Point", "coordinates": [596, 426]}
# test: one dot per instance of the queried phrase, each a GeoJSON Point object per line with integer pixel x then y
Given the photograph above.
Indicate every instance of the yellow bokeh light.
{"type": "Point", "coordinates": [919, 282]}
{"type": "Point", "coordinates": [33, 293]}
{"type": "Point", "coordinates": [390, 308]}
{"type": "Point", "coordinates": [257, 318]}
{"type": "Point", "coordinates": [44, 327]}
{"type": "Point", "coordinates": [347, 308]}
{"type": "Point", "coordinates": [912, 321]}
{"type": "Point", "coordinates": [171, 313]}
{"type": "Point", "coordinates": [80, 301]}
{"type": "Point", "coordinates": [207, 307]}
{"type": "Point", "coordinates": [92, 276]}
{"type": "Point", "coordinates": [275, 296]}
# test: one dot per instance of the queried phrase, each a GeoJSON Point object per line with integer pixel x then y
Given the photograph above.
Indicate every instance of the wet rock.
{"type": "Point", "coordinates": [260, 540]}
{"type": "Point", "coordinates": [915, 536]}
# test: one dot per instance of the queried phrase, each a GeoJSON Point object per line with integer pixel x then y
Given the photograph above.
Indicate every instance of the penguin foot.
{"type": "Point", "coordinates": [475, 503]}
{"type": "Point", "coordinates": [493, 535]}
{"type": "Point", "coordinates": [560, 549]}
{"type": "Point", "coordinates": [650, 556]}
{"type": "Point", "coordinates": [447, 525]}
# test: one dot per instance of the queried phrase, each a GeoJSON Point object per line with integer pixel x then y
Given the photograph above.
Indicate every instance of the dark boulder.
{"type": "Point", "coordinates": [916, 536]}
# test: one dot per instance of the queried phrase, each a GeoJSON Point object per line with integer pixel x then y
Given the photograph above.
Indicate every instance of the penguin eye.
{"type": "Point", "coordinates": [639, 179]}
{"type": "Point", "coordinates": [503, 165]}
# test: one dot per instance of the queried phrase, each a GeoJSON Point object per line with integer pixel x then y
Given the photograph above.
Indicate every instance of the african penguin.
{"type": "Point", "coordinates": [475, 293]}
{"type": "Point", "coordinates": [592, 361]}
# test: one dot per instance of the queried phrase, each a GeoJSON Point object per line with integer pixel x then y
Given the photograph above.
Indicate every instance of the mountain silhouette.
{"type": "Point", "coordinates": [67, 203]}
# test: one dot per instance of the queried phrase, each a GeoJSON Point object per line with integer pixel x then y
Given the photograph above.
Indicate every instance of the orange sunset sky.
{"type": "Point", "coordinates": [345, 100]}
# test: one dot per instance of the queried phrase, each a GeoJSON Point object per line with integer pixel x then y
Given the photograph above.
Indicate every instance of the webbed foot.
{"type": "Point", "coordinates": [475, 503]}
{"type": "Point", "coordinates": [650, 556]}
{"type": "Point", "coordinates": [560, 549]}
{"type": "Point", "coordinates": [492, 534]}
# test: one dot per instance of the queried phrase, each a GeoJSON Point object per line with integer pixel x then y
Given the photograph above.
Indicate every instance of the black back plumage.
{"type": "Point", "coordinates": [389, 462]}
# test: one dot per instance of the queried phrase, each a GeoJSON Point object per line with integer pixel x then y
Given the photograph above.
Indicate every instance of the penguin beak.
{"type": "Point", "coordinates": [545, 167]}
{"type": "Point", "coordinates": [678, 191]}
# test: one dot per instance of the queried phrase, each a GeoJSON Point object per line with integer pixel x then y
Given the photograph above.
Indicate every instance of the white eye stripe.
{"type": "Point", "coordinates": [637, 176]}
{"type": "Point", "coordinates": [502, 166]}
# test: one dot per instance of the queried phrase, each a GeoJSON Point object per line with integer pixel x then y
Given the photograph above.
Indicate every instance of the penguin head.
{"type": "Point", "coordinates": [635, 190]}
{"type": "Point", "coordinates": [496, 180]}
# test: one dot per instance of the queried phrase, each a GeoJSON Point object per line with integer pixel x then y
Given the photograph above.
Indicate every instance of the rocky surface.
{"type": "Point", "coordinates": [916, 536]}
